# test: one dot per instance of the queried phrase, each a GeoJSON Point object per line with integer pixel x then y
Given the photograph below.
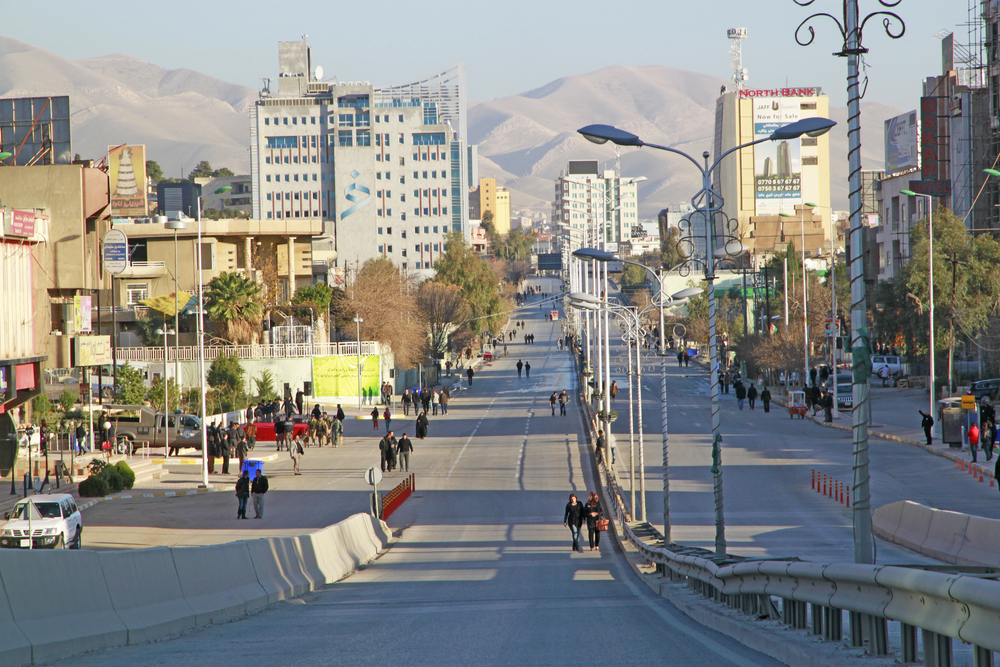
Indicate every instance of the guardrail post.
{"type": "Point", "coordinates": [879, 645]}
{"type": "Point", "coordinates": [817, 618]}
{"type": "Point", "coordinates": [937, 649]}
{"type": "Point", "coordinates": [857, 636]}
{"type": "Point", "coordinates": [982, 657]}
{"type": "Point", "coordinates": [833, 624]}
{"type": "Point", "coordinates": [908, 639]}
{"type": "Point", "coordinates": [786, 611]}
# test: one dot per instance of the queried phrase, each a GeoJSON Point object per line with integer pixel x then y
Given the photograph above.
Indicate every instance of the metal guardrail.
{"type": "Point", "coordinates": [280, 351]}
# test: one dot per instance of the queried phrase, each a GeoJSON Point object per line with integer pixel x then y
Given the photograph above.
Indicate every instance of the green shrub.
{"type": "Point", "coordinates": [94, 487]}
{"type": "Point", "coordinates": [128, 476]}
{"type": "Point", "coordinates": [114, 479]}
{"type": "Point", "coordinates": [67, 400]}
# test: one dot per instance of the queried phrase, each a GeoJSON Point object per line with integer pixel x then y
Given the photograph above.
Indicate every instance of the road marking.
{"type": "Point", "coordinates": [471, 435]}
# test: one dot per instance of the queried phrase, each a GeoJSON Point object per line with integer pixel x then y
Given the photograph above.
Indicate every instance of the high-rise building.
{"type": "Point", "coordinates": [385, 169]}
{"type": "Point", "coordinates": [772, 178]}
{"type": "Point", "coordinates": [490, 197]}
{"type": "Point", "coordinates": [588, 200]}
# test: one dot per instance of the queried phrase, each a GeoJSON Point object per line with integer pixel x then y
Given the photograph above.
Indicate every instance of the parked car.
{"type": "Point", "coordinates": [150, 429]}
{"type": "Point", "coordinates": [49, 521]}
{"type": "Point", "coordinates": [845, 390]}
{"type": "Point", "coordinates": [987, 388]}
{"type": "Point", "coordinates": [879, 361]}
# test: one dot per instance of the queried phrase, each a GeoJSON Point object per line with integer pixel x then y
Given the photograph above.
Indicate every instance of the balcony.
{"type": "Point", "coordinates": [144, 270]}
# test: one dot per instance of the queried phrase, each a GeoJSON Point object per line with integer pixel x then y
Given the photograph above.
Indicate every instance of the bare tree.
{"type": "Point", "coordinates": [444, 310]}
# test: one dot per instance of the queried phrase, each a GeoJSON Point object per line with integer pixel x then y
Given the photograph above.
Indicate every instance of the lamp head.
{"type": "Point", "coordinates": [594, 253]}
{"type": "Point", "coordinates": [811, 127]}
{"type": "Point", "coordinates": [224, 189]}
{"type": "Point", "coordinates": [602, 134]}
{"type": "Point", "coordinates": [584, 297]}
{"type": "Point", "coordinates": [991, 172]}
{"type": "Point", "coordinates": [686, 293]}
{"type": "Point", "coordinates": [908, 193]}
{"type": "Point", "coordinates": [4, 155]}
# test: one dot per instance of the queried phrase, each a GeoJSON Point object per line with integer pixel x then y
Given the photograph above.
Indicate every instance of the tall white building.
{"type": "Point", "coordinates": [588, 201]}
{"type": "Point", "coordinates": [386, 169]}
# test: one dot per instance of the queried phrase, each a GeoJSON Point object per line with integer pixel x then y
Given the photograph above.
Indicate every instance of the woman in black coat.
{"type": "Point", "coordinates": [573, 517]}
{"type": "Point", "coordinates": [422, 425]}
{"type": "Point", "coordinates": [593, 512]}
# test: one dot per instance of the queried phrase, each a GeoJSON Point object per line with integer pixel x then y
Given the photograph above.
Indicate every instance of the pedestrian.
{"type": "Point", "coordinates": [765, 398]}
{"type": "Point", "coordinates": [434, 401]}
{"type": "Point", "coordinates": [405, 448]}
{"type": "Point", "coordinates": [986, 439]}
{"type": "Point", "coordinates": [212, 438]}
{"type": "Point", "coordinates": [232, 439]}
{"type": "Point", "coordinates": [725, 383]}
{"type": "Point", "coordinates": [422, 424]}
{"type": "Point", "coordinates": [296, 452]}
{"type": "Point", "coordinates": [469, 373]}
{"type": "Point", "coordinates": [552, 402]}
{"type": "Point", "coordinates": [251, 432]}
{"type": "Point", "coordinates": [242, 448]}
{"type": "Point", "coordinates": [249, 414]}
{"type": "Point", "coordinates": [812, 377]}
{"type": "Point", "coordinates": [443, 399]}
{"type": "Point", "coordinates": [741, 393]}
{"type": "Point", "coordinates": [406, 400]}
{"type": "Point", "coordinates": [614, 389]}
{"type": "Point", "coordinates": [313, 428]}
{"type": "Point", "coordinates": [299, 400]}
{"type": "Point", "coordinates": [680, 358]}
{"type": "Point", "coordinates": [883, 374]}
{"type": "Point", "coordinates": [527, 369]}
{"type": "Point", "coordinates": [600, 447]}
{"type": "Point", "coordinates": [323, 429]}
{"type": "Point", "coordinates": [573, 518]}
{"type": "Point", "coordinates": [687, 359]}
{"type": "Point", "coordinates": [973, 435]}
{"type": "Point", "coordinates": [387, 449]}
{"type": "Point", "coordinates": [594, 514]}
{"type": "Point", "coordinates": [520, 366]}
{"type": "Point", "coordinates": [340, 414]}
{"type": "Point", "coordinates": [752, 395]}
{"type": "Point", "coordinates": [242, 494]}
{"type": "Point", "coordinates": [279, 434]}
{"type": "Point", "coordinates": [425, 399]}
{"type": "Point", "coordinates": [563, 400]}
{"type": "Point", "coordinates": [827, 407]}
{"type": "Point", "coordinates": [387, 416]}
{"type": "Point", "coordinates": [258, 487]}
{"type": "Point", "coordinates": [447, 366]}
{"type": "Point", "coordinates": [375, 418]}
{"type": "Point", "coordinates": [289, 408]}
{"type": "Point", "coordinates": [926, 423]}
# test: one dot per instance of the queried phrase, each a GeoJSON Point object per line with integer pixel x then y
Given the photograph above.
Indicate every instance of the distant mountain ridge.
{"type": "Point", "coordinates": [183, 117]}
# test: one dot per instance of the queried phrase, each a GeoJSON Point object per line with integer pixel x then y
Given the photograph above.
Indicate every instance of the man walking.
{"type": "Point", "coordinates": [258, 487]}
{"type": "Point", "coordinates": [527, 370]}
{"type": "Point", "coordinates": [741, 393]}
{"type": "Point", "coordinates": [469, 373]}
{"type": "Point", "coordinates": [299, 400]}
{"type": "Point", "coordinates": [765, 398]}
{"type": "Point", "coordinates": [434, 402]}
{"type": "Point", "coordinates": [973, 436]}
{"type": "Point", "coordinates": [563, 400]}
{"type": "Point", "coordinates": [443, 400]}
{"type": "Point", "coordinates": [385, 450]}
{"type": "Point", "coordinates": [519, 365]}
{"type": "Point", "coordinates": [552, 402]}
{"type": "Point", "coordinates": [405, 447]}
{"type": "Point", "coordinates": [752, 395]}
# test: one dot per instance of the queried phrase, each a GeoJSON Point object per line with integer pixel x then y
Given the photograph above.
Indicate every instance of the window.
{"type": "Point", "coordinates": [314, 175]}
{"type": "Point", "coordinates": [427, 230]}
{"type": "Point", "coordinates": [400, 118]}
{"type": "Point", "coordinates": [269, 178]}
{"type": "Point", "coordinates": [378, 175]}
{"type": "Point", "coordinates": [268, 196]}
{"type": "Point", "coordinates": [416, 211]}
{"type": "Point", "coordinates": [416, 230]}
{"type": "Point", "coordinates": [435, 231]}
{"type": "Point", "coordinates": [296, 196]}
{"type": "Point", "coordinates": [353, 101]}
{"type": "Point", "coordinates": [282, 142]}
{"type": "Point", "coordinates": [346, 120]}
{"type": "Point", "coordinates": [425, 174]}
{"type": "Point", "coordinates": [267, 121]}
{"type": "Point", "coordinates": [434, 174]}
{"type": "Point", "coordinates": [402, 197]}
{"type": "Point", "coordinates": [295, 121]}
{"type": "Point", "coordinates": [361, 119]}
{"type": "Point", "coordinates": [390, 248]}
{"type": "Point", "coordinates": [427, 247]}
{"type": "Point", "coordinates": [312, 120]}
{"type": "Point", "coordinates": [388, 193]}
{"type": "Point", "coordinates": [428, 139]}
{"type": "Point", "coordinates": [288, 196]}
{"type": "Point", "coordinates": [386, 118]}
{"type": "Point", "coordinates": [435, 247]}
{"type": "Point", "coordinates": [388, 211]}
{"type": "Point", "coordinates": [268, 215]}
{"type": "Point", "coordinates": [380, 248]}
{"type": "Point", "coordinates": [314, 159]}
{"type": "Point", "coordinates": [287, 177]}
{"type": "Point", "coordinates": [303, 120]}
{"type": "Point", "coordinates": [345, 138]}
{"type": "Point", "coordinates": [267, 160]}
{"type": "Point", "coordinates": [388, 230]}
{"type": "Point", "coordinates": [136, 292]}
{"type": "Point", "coordinates": [379, 230]}
{"type": "Point", "coordinates": [207, 257]}
{"type": "Point", "coordinates": [295, 159]}
{"type": "Point", "coordinates": [416, 248]}
{"type": "Point", "coordinates": [296, 177]}
{"type": "Point", "coordinates": [364, 137]}
{"type": "Point", "coordinates": [284, 121]}
{"type": "Point", "coordinates": [312, 141]}
{"type": "Point", "coordinates": [416, 174]}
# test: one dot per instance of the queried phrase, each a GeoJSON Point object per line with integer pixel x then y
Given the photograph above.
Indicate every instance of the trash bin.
{"type": "Point", "coordinates": [253, 465]}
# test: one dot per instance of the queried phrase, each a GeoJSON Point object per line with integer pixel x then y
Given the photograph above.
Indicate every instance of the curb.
{"type": "Point", "coordinates": [160, 494]}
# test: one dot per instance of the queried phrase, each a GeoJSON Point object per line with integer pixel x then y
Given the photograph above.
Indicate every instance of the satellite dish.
{"type": "Point", "coordinates": [319, 73]}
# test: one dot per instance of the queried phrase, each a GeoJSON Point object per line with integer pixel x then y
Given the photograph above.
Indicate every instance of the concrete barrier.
{"type": "Point", "coordinates": [146, 593]}
{"type": "Point", "coordinates": [885, 520]}
{"type": "Point", "coordinates": [279, 567]}
{"type": "Point", "coordinates": [946, 535]}
{"type": "Point", "coordinates": [219, 582]}
{"type": "Point", "coordinates": [60, 601]}
{"type": "Point", "coordinates": [982, 543]}
{"type": "Point", "coordinates": [914, 523]}
{"type": "Point", "coordinates": [15, 649]}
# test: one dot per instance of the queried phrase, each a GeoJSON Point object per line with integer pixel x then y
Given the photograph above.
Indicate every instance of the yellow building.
{"type": "Point", "coordinates": [773, 177]}
{"type": "Point", "coordinates": [496, 200]}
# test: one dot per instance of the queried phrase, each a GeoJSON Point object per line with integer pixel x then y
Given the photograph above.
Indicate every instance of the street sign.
{"type": "Point", "coordinates": [373, 476]}
{"type": "Point", "coordinates": [114, 251]}
{"type": "Point", "coordinates": [968, 402]}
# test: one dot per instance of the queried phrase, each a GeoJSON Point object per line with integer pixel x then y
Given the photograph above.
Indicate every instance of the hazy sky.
{"type": "Point", "coordinates": [508, 47]}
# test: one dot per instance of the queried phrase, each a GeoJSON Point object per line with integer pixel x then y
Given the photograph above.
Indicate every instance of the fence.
{"type": "Point", "coordinates": [280, 351]}
{"type": "Point", "coordinates": [396, 497]}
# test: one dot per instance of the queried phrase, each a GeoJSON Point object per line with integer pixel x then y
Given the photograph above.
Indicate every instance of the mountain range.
{"type": "Point", "coordinates": [183, 117]}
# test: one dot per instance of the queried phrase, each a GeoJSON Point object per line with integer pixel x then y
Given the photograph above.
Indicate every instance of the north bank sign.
{"type": "Point", "coordinates": [780, 92]}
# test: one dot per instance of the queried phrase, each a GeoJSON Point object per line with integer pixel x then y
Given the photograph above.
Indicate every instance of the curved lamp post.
{"type": "Point", "coordinates": [930, 288]}
{"type": "Point", "coordinates": [708, 203]}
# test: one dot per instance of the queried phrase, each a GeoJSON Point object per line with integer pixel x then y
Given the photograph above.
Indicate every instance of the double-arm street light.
{"type": "Point", "coordinates": [708, 203]}
{"type": "Point", "coordinates": [930, 290]}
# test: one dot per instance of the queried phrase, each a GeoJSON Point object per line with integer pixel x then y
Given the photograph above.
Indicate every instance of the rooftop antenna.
{"type": "Point", "coordinates": [737, 35]}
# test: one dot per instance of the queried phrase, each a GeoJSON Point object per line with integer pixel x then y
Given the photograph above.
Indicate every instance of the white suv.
{"type": "Point", "coordinates": [50, 521]}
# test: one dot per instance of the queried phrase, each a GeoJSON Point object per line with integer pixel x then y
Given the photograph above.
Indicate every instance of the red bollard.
{"type": "Point", "coordinates": [840, 492]}
{"type": "Point", "coordinates": [824, 484]}
{"type": "Point", "coordinates": [848, 497]}
{"type": "Point", "coordinates": [958, 463]}
{"type": "Point", "coordinates": [813, 485]}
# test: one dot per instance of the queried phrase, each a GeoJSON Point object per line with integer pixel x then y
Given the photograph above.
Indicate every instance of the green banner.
{"type": "Point", "coordinates": [338, 376]}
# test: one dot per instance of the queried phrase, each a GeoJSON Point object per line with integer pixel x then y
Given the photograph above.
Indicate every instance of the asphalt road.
{"type": "Point", "coordinates": [482, 572]}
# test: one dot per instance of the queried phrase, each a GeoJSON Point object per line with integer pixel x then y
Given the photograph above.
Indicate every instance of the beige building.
{"type": "Point", "coordinates": [490, 197]}
{"type": "Point", "coordinates": [772, 177]}
{"type": "Point", "coordinates": [803, 227]}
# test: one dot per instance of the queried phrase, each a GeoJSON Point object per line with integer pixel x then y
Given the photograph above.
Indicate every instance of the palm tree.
{"type": "Point", "coordinates": [233, 302]}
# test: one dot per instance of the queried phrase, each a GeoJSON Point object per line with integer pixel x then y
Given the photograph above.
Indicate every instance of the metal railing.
{"type": "Point", "coordinates": [190, 353]}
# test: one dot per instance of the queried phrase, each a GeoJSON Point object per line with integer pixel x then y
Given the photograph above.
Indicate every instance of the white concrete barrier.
{"type": "Point", "coordinates": [914, 523]}
{"type": "Point", "coordinates": [15, 649]}
{"type": "Point", "coordinates": [982, 543]}
{"type": "Point", "coordinates": [219, 582]}
{"type": "Point", "coordinates": [946, 535]}
{"type": "Point", "coordinates": [146, 593]}
{"type": "Point", "coordinates": [885, 520]}
{"type": "Point", "coordinates": [279, 567]}
{"type": "Point", "coordinates": [60, 601]}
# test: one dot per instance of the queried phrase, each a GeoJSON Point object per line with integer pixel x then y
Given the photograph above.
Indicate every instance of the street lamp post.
{"type": "Point", "coordinates": [176, 225]}
{"type": "Point", "coordinates": [357, 321]}
{"type": "Point", "coordinates": [708, 203]}
{"type": "Point", "coordinates": [833, 310]}
{"type": "Point", "coordinates": [805, 295]}
{"type": "Point", "coordinates": [165, 331]}
{"type": "Point", "coordinates": [930, 292]}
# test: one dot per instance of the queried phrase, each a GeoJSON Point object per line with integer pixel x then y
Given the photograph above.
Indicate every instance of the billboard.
{"type": "Point", "coordinates": [777, 165]}
{"type": "Point", "coordinates": [928, 138]}
{"type": "Point", "coordinates": [18, 223]}
{"type": "Point", "coordinates": [92, 350]}
{"type": "Point", "coordinates": [83, 314]}
{"type": "Point", "coordinates": [35, 130]}
{"type": "Point", "coordinates": [127, 173]}
{"type": "Point", "coordinates": [338, 376]}
{"type": "Point", "coordinates": [902, 148]}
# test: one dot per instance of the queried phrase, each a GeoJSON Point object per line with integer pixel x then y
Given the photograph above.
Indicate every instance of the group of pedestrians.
{"type": "Point", "coordinates": [591, 512]}
{"type": "Point", "coordinates": [562, 399]}
{"type": "Point", "coordinates": [525, 366]}
{"type": "Point", "coordinates": [395, 453]}
{"type": "Point", "coordinates": [228, 442]}
{"type": "Point", "coordinates": [247, 488]}
{"type": "Point", "coordinates": [431, 399]}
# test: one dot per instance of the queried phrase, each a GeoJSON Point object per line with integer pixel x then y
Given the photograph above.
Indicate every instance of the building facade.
{"type": "Point", "coordinates": [588, 200]}
{"type": "Point", "coordinates": [495, 199]}
{"type": "Point", "coordinates": [385, 169]}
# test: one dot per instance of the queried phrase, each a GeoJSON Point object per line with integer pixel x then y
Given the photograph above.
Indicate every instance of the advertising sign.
{"type": "Point", "coordinates": [777, 165]}
{"type": "Point", "coordinates": [91, 350]}
{"type": "Point", "coordinates": [18, 223]}
{"type": "Point", "coordinates": [114, 251]}
{"type": "Point", "coordinates": [338, 376]}
{"type": "Point", "coordinates": [928, 139]}
{"type": "Point", "coordinates": [127, 173]}
{"type": "Point", "coordinates": [82, 318]}
{"type": "Point", "coordinates": [902, 150]}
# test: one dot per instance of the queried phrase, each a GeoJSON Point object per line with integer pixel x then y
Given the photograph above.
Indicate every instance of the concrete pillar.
{"type": "Point", "coordinates": [291, 266]}
{"type": "Point", "coordinates": [248, 255]}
